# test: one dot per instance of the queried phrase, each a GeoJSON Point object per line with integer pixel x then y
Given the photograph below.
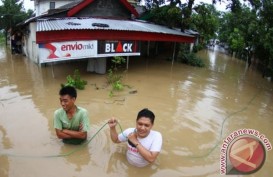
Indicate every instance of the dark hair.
{"type": "Point", "coordinates": [68, 90]}
{"type": "Point", "coordinates": [146, 113]}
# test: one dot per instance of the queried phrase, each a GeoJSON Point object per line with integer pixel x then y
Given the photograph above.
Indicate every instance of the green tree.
{"type": "Point", "coordinates": [12, 13]}
{"type": "Point", "coordinates": [239, 30]}
{"type": "Point", "coordinates": [245, 29]}
{"type": "Point", "coordinates": [167, 15]}
{"type": "Point", "coordinates": [236, 40]}
{"type": "Point", "coordinates": [249, 30]}
{"type": "Point", "coordinates": [264, 48]}
{"type": "Point", "coordinates": [186, 14]}
{"type": "Point", "coordinates": [150, 4]}
{"type": "Point", "coordinates": [205, 20]}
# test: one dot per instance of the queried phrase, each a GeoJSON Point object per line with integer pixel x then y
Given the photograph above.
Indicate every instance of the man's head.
{"type": "Point", "coordinates": [68, 95]}
{"type": "Point", "coordinates": [144, 122]}
{"type": "Point", "coordinates": [68, 90]}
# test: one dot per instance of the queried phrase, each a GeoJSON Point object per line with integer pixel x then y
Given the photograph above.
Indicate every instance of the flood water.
{"type": "Point", "coordinates": [195, 108]}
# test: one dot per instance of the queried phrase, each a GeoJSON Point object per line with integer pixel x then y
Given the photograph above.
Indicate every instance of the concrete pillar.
{"type": "Point", "coordinates": [97, 65]}
{"type": "Point", "coordinates": [191, 47]}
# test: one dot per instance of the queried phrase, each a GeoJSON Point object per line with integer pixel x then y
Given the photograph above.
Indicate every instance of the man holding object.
{"type": "Point", "coordinates": [143, 144]}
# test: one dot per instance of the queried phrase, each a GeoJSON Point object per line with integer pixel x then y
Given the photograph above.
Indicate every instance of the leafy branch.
{"type": "Point", "coordinates": [75, 81]}
{"type": "Point", "coordinates": [114, 78]}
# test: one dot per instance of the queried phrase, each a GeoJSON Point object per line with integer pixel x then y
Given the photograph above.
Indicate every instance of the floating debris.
{"type": "Point", "coordinates": [133, 91]}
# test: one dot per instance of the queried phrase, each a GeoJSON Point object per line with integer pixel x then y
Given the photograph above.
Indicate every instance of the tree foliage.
{"type": "Point", "coordinates": [236, 40]}
{"type": "Point", "coordinates": [265, 33]}
{"type": "Point", "coordinates": [12, 13]}
{"type": "Point", "coordinates": [150, 4]}
{"type": "Point", "coordinates": [205, 20]}
{"type": "Point", "coordinates": [114, 78]}
{"type": "Point", "coordinates": [75, 81]}
{"type": "Point", "coordinates": [167, 15]}
{"type": "Point", "coordinates": [249, 30]}
{"type": "Point", "coordinates": [246, 29]}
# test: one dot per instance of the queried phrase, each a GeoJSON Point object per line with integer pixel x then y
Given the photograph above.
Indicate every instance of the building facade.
{"type": "Point", "coordinates": [91, 29]}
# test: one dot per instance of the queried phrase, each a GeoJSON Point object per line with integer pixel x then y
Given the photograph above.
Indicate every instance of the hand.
{"type": "Point", "coordinates": [80, 127]}
{"type": "Point", "coordinates": [133, 138]}
{"type": "Point", "coordinates": [112, 122]}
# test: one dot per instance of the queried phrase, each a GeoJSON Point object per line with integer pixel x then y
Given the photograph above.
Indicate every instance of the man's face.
{"type": "Point", "coordinates": [143, 126]}
{"type": "Point", "coordinates": [67, 102]}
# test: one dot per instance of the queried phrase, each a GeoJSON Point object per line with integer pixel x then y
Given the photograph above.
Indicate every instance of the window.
{"type": "Point", "coordinates": [51, 5]}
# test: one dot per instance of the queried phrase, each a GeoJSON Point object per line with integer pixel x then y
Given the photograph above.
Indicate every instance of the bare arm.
{"type": "Point", "coordinates": [113, 132]}
{"type": "Point", "coordinates": [61, 135]}
{"type": "Point", "coordinates": [150, 156]}
{"type": "Point", "coordinates": [66, 134]}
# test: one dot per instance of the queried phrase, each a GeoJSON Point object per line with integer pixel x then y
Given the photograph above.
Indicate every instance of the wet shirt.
{"type": "Point", "coordinates": [153, 142]}
{"type": "Point", "coordinates": [61, 121]}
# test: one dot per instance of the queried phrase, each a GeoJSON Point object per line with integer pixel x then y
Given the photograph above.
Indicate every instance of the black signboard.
{"type": "Point", "coordinates": [119, 47]}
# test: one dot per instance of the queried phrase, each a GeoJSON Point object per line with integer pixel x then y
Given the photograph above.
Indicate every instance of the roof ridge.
{"type": "Point", "coordinates": [85, 3]}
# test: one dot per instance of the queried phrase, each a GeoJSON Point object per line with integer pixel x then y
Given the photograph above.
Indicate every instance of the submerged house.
{"type": "Point", "coordinates": [90, 29]}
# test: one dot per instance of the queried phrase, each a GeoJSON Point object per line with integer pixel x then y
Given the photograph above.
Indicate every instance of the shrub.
{"type": "Point", "coordinates": [185, 56]}
{"type": "Point", "coordinates": [192, 59]}
{"type": "Point", "coordinates": [75, 81]}
{"type": "Point", "coordinates": [197, 48]}
{"type": "Point", "coordinates": [113, 77]}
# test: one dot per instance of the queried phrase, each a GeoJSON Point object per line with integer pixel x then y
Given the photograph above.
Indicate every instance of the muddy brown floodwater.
{"type": "Point", "coordinates": [195, 108]}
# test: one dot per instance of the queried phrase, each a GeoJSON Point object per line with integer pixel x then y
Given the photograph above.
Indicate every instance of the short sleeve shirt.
{"type": "Point", "coordinates": [153, 142]}
{"type": "Point", "coordinates": [61, 120]}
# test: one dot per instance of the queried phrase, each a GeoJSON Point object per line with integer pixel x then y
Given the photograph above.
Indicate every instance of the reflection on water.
{"type": "Point", "coordinates": [195, 108]}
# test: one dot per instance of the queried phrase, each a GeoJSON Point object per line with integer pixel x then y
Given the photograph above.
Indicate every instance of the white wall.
{"type": "Point", "coordinates": [42, 7]}
{"type": "Point", "coordinates": [31, 48]}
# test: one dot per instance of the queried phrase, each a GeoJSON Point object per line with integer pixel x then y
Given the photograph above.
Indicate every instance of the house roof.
{"type": "Point", "coordinates": [85, 3]}
{"type": "Point", "coordinates": [74, 7]}
{"type": "Point", "coordinates": [58, 24]}
{"type": "Point", "coordinates": [191, 32]}
{"type": "Point", "coordinates": [70, 5]}
{"type": "Point", "coordinates": [107, 29]}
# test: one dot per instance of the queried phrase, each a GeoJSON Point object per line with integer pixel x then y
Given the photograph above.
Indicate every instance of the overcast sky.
{"type": "Point", "coordinates": [218, 6]}
{"type": "Point", "coordinates": [30, 4]}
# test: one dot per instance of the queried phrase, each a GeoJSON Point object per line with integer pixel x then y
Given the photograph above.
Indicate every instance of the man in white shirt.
{"type": "Point", "coordinates": [144, 144]}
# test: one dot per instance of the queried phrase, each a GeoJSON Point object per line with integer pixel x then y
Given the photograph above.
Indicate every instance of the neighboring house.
{"type": "Point", "coordinates": [197, 38]}
{"type": "Point", "coordinates": [42, 6]}
{"type": "Point", "coordinates": [93, 29]}
{"type": "Point", "coordinates": [193, 33]}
